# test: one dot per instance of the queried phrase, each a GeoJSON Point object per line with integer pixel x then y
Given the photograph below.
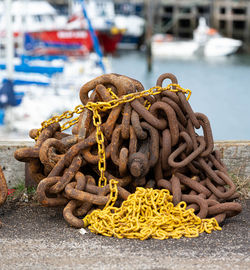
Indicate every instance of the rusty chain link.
{"type": "Point", "coordinates": [3, 189]}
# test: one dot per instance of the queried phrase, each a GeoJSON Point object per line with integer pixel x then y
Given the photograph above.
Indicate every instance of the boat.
{"type": "Point", "coordinates": [166, 46]}
{"type": "Point", "coordinates": [42, 84]}
{"type": "Point", "coordinates": [206, 42]}
{"type": "Point", "coordinates": [29, 16]}
{"type": "Point", "coordinates": [74, 37]}
{"type": "Point", "coordinates": [57, 42]}
{"type": "Point", "coordinates": [40, 96]}
{"type": "Point", "coordinates": [114, 30]}
{"type": "Point", "coordinates": [101, 14]}
{"type": "Point", "coordinates": [40, 30]}
{"type": "Point", "coordinates": [214, 44]}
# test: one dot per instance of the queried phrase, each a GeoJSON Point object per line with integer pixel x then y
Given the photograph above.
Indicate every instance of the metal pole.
{"type": "Point", "coordinates": [94, 38]}
{"type": "Point", "coordinates": [149, 31]}
{"type": "Point", "coordinates": [9, 46]}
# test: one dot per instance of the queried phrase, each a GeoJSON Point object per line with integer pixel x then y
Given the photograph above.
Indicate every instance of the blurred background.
{"type": "Point", "coordinates": [48, 49]}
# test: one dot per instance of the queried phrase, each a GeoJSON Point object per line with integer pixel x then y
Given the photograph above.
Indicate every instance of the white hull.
{"type": "Point", "coordinates": [221, 47]}
{"type": "Point", "coordinates": [214, 48]}
{"type": "Point", "coordinates": [206, 42]}
{"type": "Point", "coordinates": [31, 16]}
{"type": "Point", "coordinates": [183, 49]}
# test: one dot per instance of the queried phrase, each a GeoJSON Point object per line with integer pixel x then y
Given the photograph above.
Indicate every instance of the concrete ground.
{"type": "Point", "coordinates": [34, 237]}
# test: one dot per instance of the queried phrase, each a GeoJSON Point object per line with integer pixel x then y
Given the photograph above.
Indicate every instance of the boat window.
{"type": "Point", "coordinates": [48, 18]}
{"type": "Point", "coordinates": [13, 18]}
{"type": "Point", "coordinates": [101, 9]}
{"type": "Point", "coordinates": [51, 17]}
{"type": "Point", "coordinates": [38, 18]}
{"type": "Point", "coordinates": [23, 19]}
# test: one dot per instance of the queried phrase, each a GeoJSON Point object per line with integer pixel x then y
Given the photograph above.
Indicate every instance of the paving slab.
{"type": "Point", "coordinates": [36, 237]}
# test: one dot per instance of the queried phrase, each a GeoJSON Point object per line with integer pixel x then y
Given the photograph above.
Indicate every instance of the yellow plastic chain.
{"type": "Point", "coordinates": [97, 121]}
{"type": "Point", "coordinates": [103, 106]}
{"type": "Point", "coordinates": [113, 193]}
{"type": "Point", "coordinates": [149, 213]}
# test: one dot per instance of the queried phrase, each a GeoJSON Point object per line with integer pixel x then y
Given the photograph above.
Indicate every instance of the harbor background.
{"type": "Point", "coordinates": [220, 89]}
{"type": "Point", "coordinates": [180, 17]}
{"type": "Point", "coordinates": [219, 85]}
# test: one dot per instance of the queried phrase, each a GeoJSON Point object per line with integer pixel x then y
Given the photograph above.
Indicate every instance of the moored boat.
{"type": "Point", "coordinates": [206, 42]}
{"type": "Point", "coordinates": [102, 16]}
{"type": "Point", "coordinates": [29, 16]}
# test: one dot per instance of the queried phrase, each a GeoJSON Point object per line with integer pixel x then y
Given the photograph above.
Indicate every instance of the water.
{"type": "Point", "coordinates": [220, 87]}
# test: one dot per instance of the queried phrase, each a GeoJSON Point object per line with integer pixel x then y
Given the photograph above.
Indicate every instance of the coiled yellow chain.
{"type": "Point", "coordinates": [149, 213]}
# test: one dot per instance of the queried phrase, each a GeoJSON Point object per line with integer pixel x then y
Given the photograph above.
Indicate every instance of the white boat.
{"type": "Point", "coordinates": [39, 29]}
{"type": "Point", "coordinates": [40, 102]}
{"type": "Point", "coordinates": [44, 94]}
{"type": "Point", "coordinates": [206, 42]}
{"type": "Point", "coordinates": [166, 46]}
{"type": "Point", "coordinates": [134, 26]}
{"type": "Point", "coordinates": [29, 16]}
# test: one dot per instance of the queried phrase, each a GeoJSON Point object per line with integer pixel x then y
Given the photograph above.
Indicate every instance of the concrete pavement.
{"type": "Point", "coordinates": [35, 237]}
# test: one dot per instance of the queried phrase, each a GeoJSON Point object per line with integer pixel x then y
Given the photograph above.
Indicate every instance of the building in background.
{"type": "Point", "coordinates": [180, 17]}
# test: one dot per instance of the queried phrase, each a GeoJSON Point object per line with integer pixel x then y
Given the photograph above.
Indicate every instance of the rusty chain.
{"type": "Point", "coordinates": [153, 147]}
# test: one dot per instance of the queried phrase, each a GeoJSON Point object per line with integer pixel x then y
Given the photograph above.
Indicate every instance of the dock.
{"type": "Point", "coordinates": [39, 236]}
{"type": "Point", "coordinates": [35, 237]}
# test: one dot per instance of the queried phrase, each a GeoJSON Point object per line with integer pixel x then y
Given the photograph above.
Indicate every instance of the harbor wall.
{"type": "Point", "coordinates": [235, 154]}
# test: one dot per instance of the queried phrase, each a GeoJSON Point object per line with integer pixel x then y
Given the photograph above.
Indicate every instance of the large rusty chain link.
{"type": "Point", "coordinates": [127, 138]}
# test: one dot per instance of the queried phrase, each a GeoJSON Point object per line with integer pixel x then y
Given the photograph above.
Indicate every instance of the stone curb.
{"type": "Point", "coordinates": [235, 155]}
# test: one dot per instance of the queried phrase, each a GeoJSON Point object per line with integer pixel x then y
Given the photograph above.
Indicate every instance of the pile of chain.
{"type": "Point", "coordinates": [139, 138]}
{"type": "Point", "coordinates": [3, 189]}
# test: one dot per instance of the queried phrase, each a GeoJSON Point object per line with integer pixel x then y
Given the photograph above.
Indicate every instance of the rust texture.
{"type": "Point", "coordinates": [155, 147]}
{"type": "Point", "coordinates": [3, 188]}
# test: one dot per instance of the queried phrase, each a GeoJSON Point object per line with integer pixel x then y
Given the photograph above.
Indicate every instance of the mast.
{"type": "Point", "coordinates": [9, 46]}
{"type": "Point", "coordinates": [94, 38]}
